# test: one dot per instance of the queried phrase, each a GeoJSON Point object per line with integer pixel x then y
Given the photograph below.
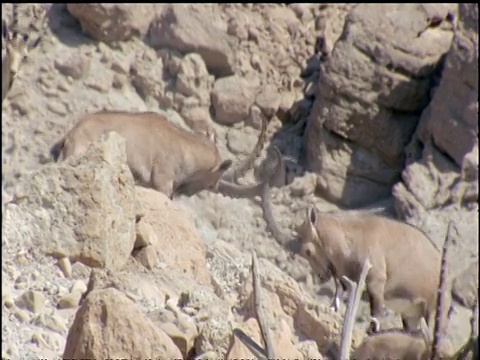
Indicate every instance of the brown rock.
{"type": "Point", "coordinates": [194, 79]}
{"type": "Point", "coordinates": [69, 300]}
{"type": "Point", "coordinates": [147, 256]}
{"type": "Point", "coordinates": [179, 245]}
{"type": "Point", "coordinates": [96, 19]}
{"type": "Point", "coordinates": [109, 325]}
{"type": "Point", "coordinates": [370, 95]}
{"type": "Point", "coordinates": [82, 208]}
{"type": "Point", "coordinates": [76, 65]}
{"type": "Point", "coordinates": [33, 301]}
{"type": "Point", "coordinates": [145, 235]}
{"type": "Point", "coordinates": [232, 98]}
{"type": "Point", "coordinates": [268, 101]}
{"type": "Point", "coordinates": [183, 28]}
{"type": "Point", "coordinates": [145, 77]}
{"type": "Point", "coordinates": [179, 327]}
{"type": "Point", "coordinates": [465, 286]}
{"type": "Point", "coordinates": [198, 119]}
{"type": "Point", "coordinates": [442, 159]}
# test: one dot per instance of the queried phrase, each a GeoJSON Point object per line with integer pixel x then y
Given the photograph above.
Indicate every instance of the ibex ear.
{"type": "Point", "coordinates": [311, 215]}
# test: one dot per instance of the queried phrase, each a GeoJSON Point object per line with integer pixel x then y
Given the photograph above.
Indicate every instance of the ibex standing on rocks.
{"type": "Point", "coordinates": [17, 48]}
{"type": "Point", "coordinates": [402, 345]}
{"type": "Point", "coordinates": [160, 155]}
{"type": "Point", "coordinates": [405, 263]}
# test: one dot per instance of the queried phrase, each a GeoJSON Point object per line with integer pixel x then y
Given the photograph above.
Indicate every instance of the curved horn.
{"type": "Point", "coordinates": [281, 237]}
{"type": "Point", "coordinates": [274, 169]}
{"type": "Point", "coordinates": [239, 169]}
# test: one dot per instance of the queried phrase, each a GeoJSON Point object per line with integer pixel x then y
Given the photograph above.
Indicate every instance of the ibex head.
{"type": "Point", "coordinates": [311, 245]}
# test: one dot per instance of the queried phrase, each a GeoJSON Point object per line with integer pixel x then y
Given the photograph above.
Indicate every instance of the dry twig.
{"type": "Point", "coordinates": [441, 292]}
{"type": "Point", "coordinates": [355, 293]}
{"type": "Point", "coordinates": [260, 313]}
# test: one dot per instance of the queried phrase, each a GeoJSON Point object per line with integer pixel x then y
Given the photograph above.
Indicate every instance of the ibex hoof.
{"type": "Point", "coordinates": [335, 306]}
{"type": "Point", "coordinates": [374, 325]}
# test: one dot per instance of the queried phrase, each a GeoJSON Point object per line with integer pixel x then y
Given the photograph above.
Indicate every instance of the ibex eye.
{"type": "Point", "coordinates": [308, 252]}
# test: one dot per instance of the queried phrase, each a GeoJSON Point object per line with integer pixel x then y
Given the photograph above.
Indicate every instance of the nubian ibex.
{"type": "Point", "coordinates": [160, 154]}
{"type": "Point", "coordinates": [405, 263]}
{"type": "Point", "coordinates": [395, 344]}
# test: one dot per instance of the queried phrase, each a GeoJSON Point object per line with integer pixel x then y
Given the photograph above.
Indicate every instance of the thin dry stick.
{"type": "Point", "coordinates": [474, 335]}
{"type": "Point", "coordinates": [441, 292]}
{"type": "Point", "coordinates": [355, 293]}
{"type": "Point", "coordinates": [257, 294]}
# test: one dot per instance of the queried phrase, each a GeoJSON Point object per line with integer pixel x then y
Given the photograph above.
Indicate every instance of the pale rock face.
{"type": "Point", "coordinates": [97, 188]}
{"type": "Point", "coordinates": [367, 102]}
{"type": "Point", "coordinates": [371, 95]}
{"type": "Point", "coordinates": [109, 324]}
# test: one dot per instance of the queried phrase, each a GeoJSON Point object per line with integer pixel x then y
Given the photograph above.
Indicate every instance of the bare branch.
{"type": "Point", "coordinates": [355, 293]}
{"type": "Point", "coordinates": [276, 164]}
{"type": "Point", "coordinates": [251, 344]}
{"type": "Point", "coordinates": [257, 294]}
{"type": "Point", "coordinates": [474, 335]}
{"type": "Point", "coordinates": [441, 292]}
{"type": "Point", "coordinates": [474, 321]}
{"type": "Point", "coordinates": [239, 169]}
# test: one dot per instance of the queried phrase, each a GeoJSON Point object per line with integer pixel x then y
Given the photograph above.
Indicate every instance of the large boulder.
{"type": "Point", "coordinates": [183, 27]}
{"type": "Point", "coordinates": [109, 325]}
{"type": "Point", "coordinates": [113, 22]}
{"type": "Point", "coordinates": [372, 89]}
{"type": "Point", "coordinates": [176, 242]}
{"type": "Point", "coordinates": [442, 162]}
{"type": "Point", "coordinates": [83, 208]}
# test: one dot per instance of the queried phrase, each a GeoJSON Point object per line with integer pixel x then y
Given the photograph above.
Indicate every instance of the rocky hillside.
{"type": "Point", "coordinates": [375, 106]}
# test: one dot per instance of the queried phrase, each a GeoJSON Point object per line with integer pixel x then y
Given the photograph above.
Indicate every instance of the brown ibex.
{"type": "Point", "coordinates": [160, 154]}
{"type": "Point", "coordinates": [394, 344]}
{"type": "Point", "coordinates": [405, 263]}
{"type": "Point", "coordinates": [17, 47]}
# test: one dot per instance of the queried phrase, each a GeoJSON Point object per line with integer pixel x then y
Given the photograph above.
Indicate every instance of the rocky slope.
{"type": "Point", "coordinates": [372, 110]}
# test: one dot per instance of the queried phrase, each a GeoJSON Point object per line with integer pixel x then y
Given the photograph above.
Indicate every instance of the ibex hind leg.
{"type": "Point", "coordinates": [161, 183]}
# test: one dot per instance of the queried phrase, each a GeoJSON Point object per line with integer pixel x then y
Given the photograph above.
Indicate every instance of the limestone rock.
{"type": "Point", "coordinates": [82, 208]}
{"type": "Point", "coordinates": [96, 20]}
{"type": "Point", "coordinates": [178, 244]}
{"type": "Point", "coordinates": [232, 98]}
{"type": "Point", "coordinates": [33, 301]}
{"type": "Point", "coordinates": [69, 300]}
{"type": "Point", "coordinates": [465, 286]}
{"type": "Point", "coordinates": [76, 66]}
{"type": "Point", "coordinates": [183, 28]}
{"type": "Point", "coordinates": [109, 325]}
{"type": "Point", "coordinates": [193, 79]}
{"type": "Point", "coordinates": [373, 86]}
{"type": "Point", "coordinates": [442, 158]}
